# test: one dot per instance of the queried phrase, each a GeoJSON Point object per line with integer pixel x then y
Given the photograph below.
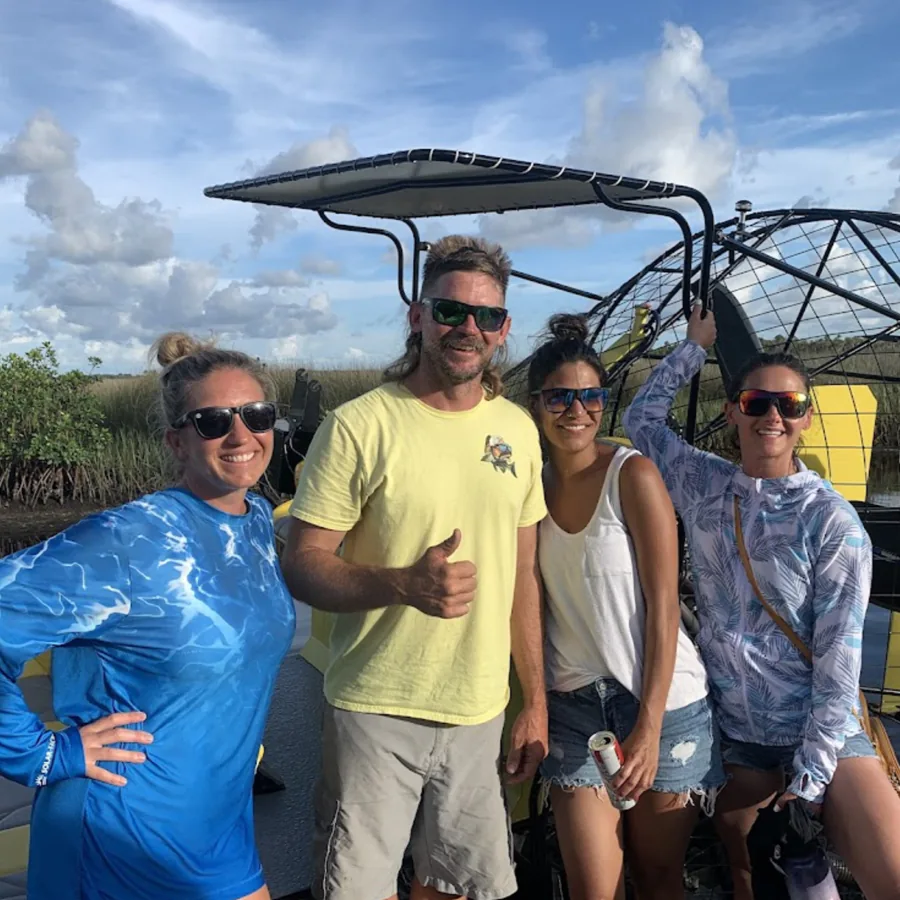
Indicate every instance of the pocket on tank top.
{"type": "Point", "coordinates": [607, 551]}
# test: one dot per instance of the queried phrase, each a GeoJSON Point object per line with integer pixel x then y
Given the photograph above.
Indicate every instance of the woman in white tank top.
{"type": "Point", "coordinates": [617, 656]}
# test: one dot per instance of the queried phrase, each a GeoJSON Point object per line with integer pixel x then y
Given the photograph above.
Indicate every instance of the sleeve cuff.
{"type": "Point", "coordinates": [806, 789]}
{"type": "Point", "coordinates": [694, 351]}
{"type": "Point", "coordinates": [66, 757]}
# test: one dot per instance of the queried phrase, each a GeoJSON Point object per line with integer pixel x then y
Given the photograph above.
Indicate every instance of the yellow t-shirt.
{"type": "Point", "coordinates": [398, 476]}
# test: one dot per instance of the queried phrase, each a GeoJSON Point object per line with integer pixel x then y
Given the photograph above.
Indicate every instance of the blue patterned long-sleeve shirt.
{"type": "Point", "coordinates": [812, 559]}
{"type": "Point", "coordinates": [172, 607]}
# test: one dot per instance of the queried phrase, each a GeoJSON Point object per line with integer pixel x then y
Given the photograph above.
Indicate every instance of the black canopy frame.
{"type": "Point", "coordinates": [416, 184]}
{"type": "Point", "coordinates": [421, 183]}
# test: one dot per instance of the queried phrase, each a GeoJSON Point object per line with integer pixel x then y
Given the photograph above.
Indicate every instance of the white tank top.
{"type": "Point", "coordinates": [595, 605]}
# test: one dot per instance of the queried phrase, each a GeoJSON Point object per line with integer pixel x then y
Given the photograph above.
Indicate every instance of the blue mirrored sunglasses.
{"type": "Point", "coordinates": [559, 399]}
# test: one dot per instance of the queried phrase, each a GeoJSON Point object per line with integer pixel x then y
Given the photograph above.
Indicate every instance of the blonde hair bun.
{"type": "Point", "coordinates": [173, 346]}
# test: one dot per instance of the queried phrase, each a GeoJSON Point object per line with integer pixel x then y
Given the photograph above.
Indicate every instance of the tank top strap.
{"type": "Point", "coordinates": [610, 500]}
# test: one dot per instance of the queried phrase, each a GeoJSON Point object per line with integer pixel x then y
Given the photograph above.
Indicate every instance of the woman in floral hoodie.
{"type": "Point", "coordinates": [783, 719]}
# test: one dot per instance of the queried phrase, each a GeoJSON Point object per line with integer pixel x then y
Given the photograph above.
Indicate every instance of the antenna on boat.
{"type": "Point", "coordinates": [742, 207]}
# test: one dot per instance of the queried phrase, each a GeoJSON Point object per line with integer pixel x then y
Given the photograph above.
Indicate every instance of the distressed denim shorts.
{"type": "Point", "coordinates": [690, 759]}
{"type": "Point", "coordinates": [765, 758]}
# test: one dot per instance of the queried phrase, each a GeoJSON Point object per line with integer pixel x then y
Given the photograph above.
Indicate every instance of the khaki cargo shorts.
{"type": "Point", "coordinates": [389, 784]}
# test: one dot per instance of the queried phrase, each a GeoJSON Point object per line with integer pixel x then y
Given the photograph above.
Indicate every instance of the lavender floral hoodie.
{"type": "Point", "coordinates": [812, 559]}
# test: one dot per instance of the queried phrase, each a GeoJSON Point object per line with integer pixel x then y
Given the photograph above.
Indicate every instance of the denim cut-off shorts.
{"type": "Point", "coordinates": [765, 758]}
{"type": "Point", "coordinates": [690, 761]}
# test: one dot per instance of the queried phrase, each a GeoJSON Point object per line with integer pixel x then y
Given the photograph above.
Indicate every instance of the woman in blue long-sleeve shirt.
{"type": "Point", "coordinates": [812, 560]}
{"type": "Point", "coordinates": [169, 620]}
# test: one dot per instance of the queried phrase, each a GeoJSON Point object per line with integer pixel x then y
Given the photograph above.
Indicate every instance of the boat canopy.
{"type": "Point", "coordinates": [422, 183]}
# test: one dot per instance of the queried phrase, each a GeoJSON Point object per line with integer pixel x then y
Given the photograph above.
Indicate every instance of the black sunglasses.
{"type": "Point", "coordinates": [756, 403]}
{"type": "Point", "coordinates": [212, 422]}
{"type": "Point", "coordinates": [455, 312]}
{"type": "Point", "coordinates": [558, 400]}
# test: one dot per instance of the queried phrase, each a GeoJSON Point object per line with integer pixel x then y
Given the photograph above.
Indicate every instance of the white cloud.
{"type": "Point", "coordinates": [677, 128]}
{"type": "Point", "coordinates": [42, 148]}
{"type": "Point", "coordinates": [597, 30]}
{"type": "Point", "coordinates": [118, 356]}
{"type": "Point", "coordinates": [10, 332]}
{"type": "Point", "coordinates": [278, 278]}
{"type": "Point", "coordinates": [82, 230]}
{"type": "Point", "coordinates": [230, 54]}
{"type": "Point", "coordinates": [808, 201]}
{"type": "Point", "coordinates": [320, 265]}
{"type": "Point", "coordinates": [529, 48]}
{"type": "Point", "coordinates": [169, 96]}
{"type": "Point", "coordinates": [271, 222]}
{"type": "Point", "coordinates": [289, 79]}
{"type": "Point", "coordinates": [752, 47]}
{"type": "Point", "coordinates": [778, 130]}
{"type": "Point", "coordinates": [894, 203]}
{"type": "Point", "coordinates": [333, 147]}
{"type": "Point", "coordinates": [676, 131]}
{"type": "Point", "coordinates": [780, 174]}
{"type": "Point", "coordinates": [108, 273]}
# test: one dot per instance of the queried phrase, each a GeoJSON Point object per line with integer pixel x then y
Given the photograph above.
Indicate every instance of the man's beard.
{"type": "Point", "coordinates": [454, 374]}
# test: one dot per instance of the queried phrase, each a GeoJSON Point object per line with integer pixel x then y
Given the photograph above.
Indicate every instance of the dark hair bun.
{"type": "Point", "coordinates": [568, 327]}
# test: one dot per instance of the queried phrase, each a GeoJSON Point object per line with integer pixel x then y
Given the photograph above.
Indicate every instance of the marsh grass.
{"type": "Point", "coordinates": [338, 385]}
{"type": "Point", "coordinates": [135, 461]}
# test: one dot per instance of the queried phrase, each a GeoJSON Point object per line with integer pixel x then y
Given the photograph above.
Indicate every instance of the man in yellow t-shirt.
{"type": "Point", "coordinates": [432, 485]}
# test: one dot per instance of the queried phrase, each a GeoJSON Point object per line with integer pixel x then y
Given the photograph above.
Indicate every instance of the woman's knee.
{"type": "Point", "coordinates": [589, 830]}
{"type": "Point", "coordinates": [732, 826]}
{"type": "Point", "coordinates": [662, 879]}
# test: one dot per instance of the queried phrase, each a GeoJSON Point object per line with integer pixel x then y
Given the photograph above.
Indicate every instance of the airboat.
{"type": "Point", "coordinates": [824, 283]}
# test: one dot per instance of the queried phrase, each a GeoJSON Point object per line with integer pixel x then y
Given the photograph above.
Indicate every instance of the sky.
{"type": "Point", "coordinates": [116, 114]}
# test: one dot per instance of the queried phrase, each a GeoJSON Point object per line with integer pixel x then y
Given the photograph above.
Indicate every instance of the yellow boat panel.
{"type": "Point", "coordinates": [40, 665]}
{"type": "Point", "coordinates": [618, 349]}
{"type": "Point", "coordinates": [838, 445]}
{"type": "Point", "coordinates": [892, 673]}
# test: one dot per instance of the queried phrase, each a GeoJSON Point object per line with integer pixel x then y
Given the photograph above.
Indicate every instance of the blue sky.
{"type": "Point", "coordinates": [115, 114]}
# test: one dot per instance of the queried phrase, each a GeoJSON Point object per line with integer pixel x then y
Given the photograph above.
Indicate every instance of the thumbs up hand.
{"type": "Point", "coordinates": [438, 587]}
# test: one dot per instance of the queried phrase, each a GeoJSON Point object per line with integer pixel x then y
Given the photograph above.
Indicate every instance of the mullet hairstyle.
{"type": "Point", "coordinates": [457, 253]}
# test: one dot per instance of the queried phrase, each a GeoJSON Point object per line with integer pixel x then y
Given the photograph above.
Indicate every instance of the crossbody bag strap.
{"type": "Point", "coordinates": [792, 636]}
{"type": "Point", "coordinates": [779, 621]}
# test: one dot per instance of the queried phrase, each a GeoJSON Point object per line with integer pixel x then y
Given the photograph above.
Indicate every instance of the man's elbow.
{"type": "Point", "coordinates": [299, 563]}
{"type": "Point", "coordinates": [294, 571]}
